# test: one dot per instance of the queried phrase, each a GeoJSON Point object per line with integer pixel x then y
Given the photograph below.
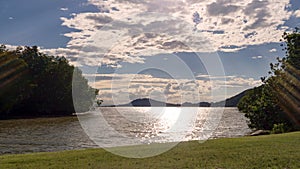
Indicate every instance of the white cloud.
{"type": "Point", "coordinates": [11, 18]}
{"type": "Point", "coordinates": [125, 30]}
{"type": "Point", "coordinates": [122, 88]}
{"type": "Point", "coordinates": [239, 82]}
{"type": "Point", "coordinates": [257, 57]}
{"type": "Point", "coordinates": [273, 50]}
{"type": "Point", "coordinates": [64, 9]}
{"type": "Point", "coordinates": [297, 13]}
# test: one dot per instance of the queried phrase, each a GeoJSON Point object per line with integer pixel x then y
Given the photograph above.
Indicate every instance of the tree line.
{"type": "Point", "coordinates": [275, 105]}
{"type": "Point", "coordinates": [36, 84]}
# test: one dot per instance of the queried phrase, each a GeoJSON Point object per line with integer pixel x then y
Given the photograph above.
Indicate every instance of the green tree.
{"type": "Point", "coordinates": [45, 86]}
{"type": "Point", "coordinates": [277, 101]}
{"type": "Point", "coordinates": [261, 108]}
{"type": "Point", "coordinates": [14, 80]}
{"type": "Point", "coordinates": [285, 83]}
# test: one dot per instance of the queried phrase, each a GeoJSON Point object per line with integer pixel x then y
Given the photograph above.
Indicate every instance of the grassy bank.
{"type": "Point", "coordinates": [273, 151]}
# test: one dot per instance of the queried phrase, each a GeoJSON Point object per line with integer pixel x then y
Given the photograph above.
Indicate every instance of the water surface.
{"type": "Point", "coordinates": [110, 127]}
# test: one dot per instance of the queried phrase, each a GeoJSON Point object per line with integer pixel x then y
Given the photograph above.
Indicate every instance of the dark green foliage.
{"type": "Point", "coordinates": [261, 109]}
{"type": "Point", "coordinates": [279, 128]}
{"type": "Point", "coordinates": [277, 101]}
{"type": "Point", "coordinates": [35, 84]}
{"type": "Point", "coordinates": [287, 84]}
{"type": "Point", "coordinates": [14, 80]}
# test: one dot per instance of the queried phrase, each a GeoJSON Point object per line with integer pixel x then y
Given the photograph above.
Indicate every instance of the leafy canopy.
{"type": "Point", "coordinates": [36, 84]}
{"type": "Point", "coordinates": [277, 101]}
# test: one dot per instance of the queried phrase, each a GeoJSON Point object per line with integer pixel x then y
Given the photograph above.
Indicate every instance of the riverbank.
{"type": "Point", "coordinates": [270, 151]}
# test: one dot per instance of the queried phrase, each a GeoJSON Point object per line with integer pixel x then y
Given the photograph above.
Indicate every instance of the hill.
{"type": "Point", "coordinates": [146, 102]}
{"type": "Point", "coordinates": [232, 101]}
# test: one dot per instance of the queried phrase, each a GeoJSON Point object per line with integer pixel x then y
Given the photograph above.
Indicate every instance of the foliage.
{"type": "Point", "coordinates": [278, 99]}
{"type": "Point", "coordinates": [36, 84]}
{"type": "Point", "coordinates": [286, 86]}
{"type": "Point", "coordinates": [279, 128]}
{"type": "Point", "coordinates": [261, 108]}
{"type": "Point", "coordinates": [14, 80]}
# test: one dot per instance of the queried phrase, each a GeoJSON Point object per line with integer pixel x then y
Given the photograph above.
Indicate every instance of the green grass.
{"type": "Point", "coordinates": [272, 151]}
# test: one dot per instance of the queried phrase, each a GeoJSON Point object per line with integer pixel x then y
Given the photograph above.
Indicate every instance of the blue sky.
{"type": "Point", "coordinates": [182, 50]}
{"type": "Point", "coordinates": [36, 22]}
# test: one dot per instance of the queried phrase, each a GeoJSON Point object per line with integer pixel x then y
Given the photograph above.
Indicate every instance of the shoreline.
{"type": "Point", "coordinates": [34, 117]}
{"type": "Point", "coordinates": [125, 146]}
{"type": "Point", "coordinates": [82, 113]}
{"type": "Point", "coordinates": [249, 152]}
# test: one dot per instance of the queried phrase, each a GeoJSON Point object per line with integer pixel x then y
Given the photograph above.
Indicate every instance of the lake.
{"type": "Point", "coordinates": [110, 127]}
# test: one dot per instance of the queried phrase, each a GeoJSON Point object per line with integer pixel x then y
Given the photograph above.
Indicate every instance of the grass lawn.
{"type": "Point", "coordinates": [272, 151]}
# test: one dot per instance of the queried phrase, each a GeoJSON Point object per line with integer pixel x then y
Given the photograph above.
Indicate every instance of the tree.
{"type": "Point", "coordinates": [261, 108]}
{"type": "Point", "coordinates": [277, 101]}
{"type": "Point", "coordinates": [45, 86]}
{"type": "Point", "coordinates": [285, 84]}
{"type": "Point", "coordinates": [14, 80]}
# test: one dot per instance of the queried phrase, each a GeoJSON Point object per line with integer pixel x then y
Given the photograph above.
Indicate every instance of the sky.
{"type": "Point", "coordinates": [169, 50]}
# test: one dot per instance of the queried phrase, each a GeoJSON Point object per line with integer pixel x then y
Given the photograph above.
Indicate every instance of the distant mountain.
{"type": "Point", "coordinates": [146, 102]}
{"type": "Point", "coordinates": [201, 104]}
{"type": "Point", "coordinates": [230, 102]}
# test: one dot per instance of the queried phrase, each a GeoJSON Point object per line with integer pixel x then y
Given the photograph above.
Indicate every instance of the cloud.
{"type": "Point", "coordinates": [258, 13]}
{"type": "Point", "coordinates": [220, 8]}
{"type": "Point", "coordinates": [11, 18]}
{"type": "Point", "coordinates": [126, 30]}
{"type": "Point", "coordinates": [122, 88]}
{"type": "Point", "coordinates": [297, 13]}
{"type": "Point", "coordinates": [99, 18]}
{"type": "Point", "coordinates": [257, 57]}
{"type": "Point", "coordinates": [64, 9]}
{"type": "Point", "coordinates": [239, 82]}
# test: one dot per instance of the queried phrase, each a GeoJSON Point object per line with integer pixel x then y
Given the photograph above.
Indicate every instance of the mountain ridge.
{"type": "Point", "coordinates": [147, 102]}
